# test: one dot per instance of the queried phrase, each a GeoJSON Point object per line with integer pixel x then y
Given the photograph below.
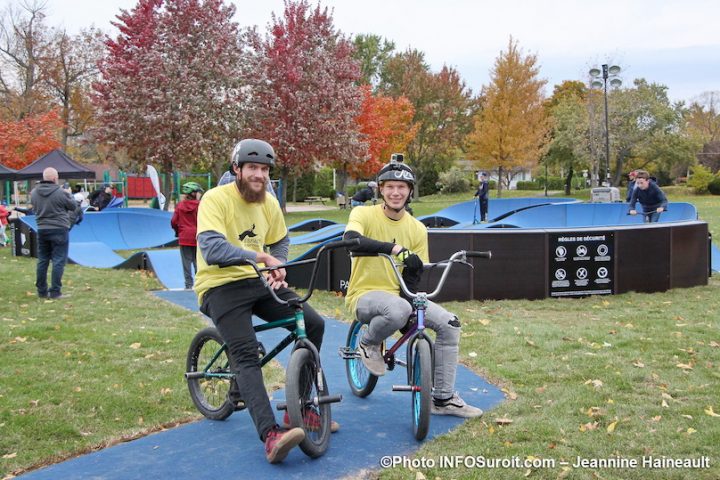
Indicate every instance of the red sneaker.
{"type": "Point", "coordinates": [312, 421]}
{"type": "Point", "coordinates": [279, 442]}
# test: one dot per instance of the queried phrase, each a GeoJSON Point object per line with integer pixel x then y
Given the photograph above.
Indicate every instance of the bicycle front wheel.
{"type": "Point", "coordinates": [304, 384]}
{"type": "Point", "coordinates": [209, 393]}
{"type": "Point", "coordinates": [361, 381]}
{"type": "Point", "coordinates": [421, 381]}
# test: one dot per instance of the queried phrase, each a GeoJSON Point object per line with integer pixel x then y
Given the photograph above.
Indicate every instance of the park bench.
{"type": "Point", "coordinates": [312, 200]}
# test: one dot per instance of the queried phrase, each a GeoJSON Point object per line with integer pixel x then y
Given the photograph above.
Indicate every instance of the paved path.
{"type": "Point", "coordinates": [371, 428]}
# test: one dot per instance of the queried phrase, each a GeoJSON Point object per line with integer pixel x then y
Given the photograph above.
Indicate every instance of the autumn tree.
{"type": "Point", "coordinates": [443, 112]}
{"type": "Point", "coordinates": [70, 68]}
{"type": "Point", "coordinates": [703, 117]}
{"type": "Point", "coordinates": [511, 129]}
{"type": "Point", "coordinates": [24, 44]}
{"type": "Point", "coordinates": [171, 87]}
{"type": "Point", "coordinates": [305, 92]}
{"type": "Point", "coordinates": [386, 126]}
{"type": "Point", "coordinates": [24, 141]}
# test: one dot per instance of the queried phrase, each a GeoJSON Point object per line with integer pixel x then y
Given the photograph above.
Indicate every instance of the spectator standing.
{"type": "Point", "coordinates": [482, 196]}
{"type": "Point", "coordinates": [56, 211]}
{"type": "Point", "coordinates": [184, 222]}
{"type": "Point", "coordinates": [4, 214]}
{"type": "Point", "coordinates": [631, 185]}
{"type": "Point", "coordinates": [652, 199]}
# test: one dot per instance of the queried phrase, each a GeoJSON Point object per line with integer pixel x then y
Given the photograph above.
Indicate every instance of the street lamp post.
{"type": "Point", "coordinates": [607, 72]}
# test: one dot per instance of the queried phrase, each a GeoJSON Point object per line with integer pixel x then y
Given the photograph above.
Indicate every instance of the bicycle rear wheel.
{"type": "Point", "coordinates": [421, 380]}
{"type": "Point", "coordinates": [303, 386]}
{"type": "Point", "coordinates": [361, 381]}
{"type": "Point", "coordinates": [210, 393]}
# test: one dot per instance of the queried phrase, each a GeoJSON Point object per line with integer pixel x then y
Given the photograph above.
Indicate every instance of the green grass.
{"type": "Point", "coordinates": [106, 365]}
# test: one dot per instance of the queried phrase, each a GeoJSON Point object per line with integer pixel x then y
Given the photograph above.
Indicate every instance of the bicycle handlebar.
{"type": "Point", "coordinates": [328, 246]}
{"type": "Point", "coordinates": [457, 257]}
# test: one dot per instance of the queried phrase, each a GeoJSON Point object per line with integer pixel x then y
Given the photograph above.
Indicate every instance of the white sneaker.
{"type": "Point", "coordinates": [372, 359]}
{"type": "Point", "coordinates": [455, 406]}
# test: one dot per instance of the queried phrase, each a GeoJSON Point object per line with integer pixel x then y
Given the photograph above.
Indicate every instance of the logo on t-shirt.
{"type": "Point", "coordinates": [247, 233]}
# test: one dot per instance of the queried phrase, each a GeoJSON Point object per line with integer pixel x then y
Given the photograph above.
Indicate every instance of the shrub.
{"type": "Point", "coordinates": [700, 179]}
{"type": "Point", "coordinates": [454, 181]}
{"type": "Point", "coordinates": [714, 186]}
{"type": "Point", "coordinates": [527, 185]}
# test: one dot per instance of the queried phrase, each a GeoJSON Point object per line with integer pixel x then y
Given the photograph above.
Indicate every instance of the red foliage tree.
{"type": "Point", "coordinates": [305, 91]}
{"type": "Point", "coordinates": [171, 86]}
{"type": "Point", "coordinates": [24, 141]}
{"type": "Point", "coordinates": [386, 124]}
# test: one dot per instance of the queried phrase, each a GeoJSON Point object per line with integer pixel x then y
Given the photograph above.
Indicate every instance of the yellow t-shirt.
{"type": "Point", "coordinates": [249, 226]}
{"type": "Point", "coordinates": [375, 273]}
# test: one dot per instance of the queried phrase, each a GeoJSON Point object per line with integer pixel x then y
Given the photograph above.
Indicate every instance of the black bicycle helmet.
{"type": "Point", "coordinates": [397, 171]}
{"type": "Point", "coordinates": [252, 150]}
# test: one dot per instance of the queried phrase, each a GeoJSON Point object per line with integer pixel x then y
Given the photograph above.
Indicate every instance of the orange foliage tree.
{"type": "Point", "coordinates": [387, 127]}
{"type": "Point", "coordinates": [24, 141]}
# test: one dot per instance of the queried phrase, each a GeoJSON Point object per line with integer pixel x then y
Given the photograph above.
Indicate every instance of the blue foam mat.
{"type": "Point", "coordinates": [370, 428]}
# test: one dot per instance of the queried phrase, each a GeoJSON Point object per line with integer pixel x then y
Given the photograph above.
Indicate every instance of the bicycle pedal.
{"type": "Point", "coordinates": [240, 406]}
{"type": "Point", "coordinates": [402, 363]}
{"type": "Point", "coordinates": [347, 353]}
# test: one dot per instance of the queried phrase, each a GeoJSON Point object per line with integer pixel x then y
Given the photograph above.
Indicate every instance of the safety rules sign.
{"type": "Point", "coordinates": [581, 264]}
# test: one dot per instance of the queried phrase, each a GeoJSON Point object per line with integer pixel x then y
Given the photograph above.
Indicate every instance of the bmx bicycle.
{"type": "Point", "coordinates": [419, 351]}
{"type": "Point", "coordinates": [212, 385]}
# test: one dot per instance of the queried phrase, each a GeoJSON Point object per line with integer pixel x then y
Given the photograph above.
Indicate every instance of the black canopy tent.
{"type": "Point", "coordinates": [7, 173]}
{"type": "Point", "coordinates": [67, 167]}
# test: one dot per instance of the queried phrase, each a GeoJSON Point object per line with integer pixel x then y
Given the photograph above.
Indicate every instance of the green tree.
{"type": "Point", "coordinates": [568, 145]}
{"type": "Point", "coordinates": [703, 116]}
{"type": "Point", "coordinates": [511, 129]}
{"type": "Point", "coordinates": [372, 52]}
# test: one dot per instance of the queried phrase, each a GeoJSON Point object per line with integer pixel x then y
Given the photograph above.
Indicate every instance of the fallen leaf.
{"type": "Point", "coordinates": [691, 430]}
{"type": "Point", "coordinates": [687, 416]}
{"type": "Point", "coordinates": [638, 364]}
{"type": "Point", "coordinates": [611, 427]}
{"type": "Point", "coordinates": [472, 354]}
{"type": "Point", "coordinates": [684, 366]}
{"type": "Point", "coordinates": [10, 455]}
{"type": "Point", "coordinates": [419, 476]}
{"type": "Point", "coordinates": [664, 404]}
{"type": "Point", "coordinates": [714, 344]}
{"type": "Point", "coordinates": [135, 345]}
{"type": "Point", "coordinates": [485, 322]}
{"type": "Point", "coordinates": [530, 342]}
{"type": "Point", "coordinates": [589, 426]}
{"type": "Point", "coordinates": [656, 418]}
{"type": "Point", "coordinates": [709, 411]}
{"type": "Point", "coordinates": [594, 383]}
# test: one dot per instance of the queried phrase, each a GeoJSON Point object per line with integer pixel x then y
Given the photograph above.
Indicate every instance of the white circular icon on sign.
{"type": "Point", "coordinates": [560, 251]}
{"type": "Point", "coordinates": [602, 250]}
{"type": "Point", "coordinates": [560, 274]}
{"type": "Point", "coordinates": [581, 273]}
{"type": "Point", "coordinates": [581, 250]}
{"type": "Point", "coordinates": [602, 272]}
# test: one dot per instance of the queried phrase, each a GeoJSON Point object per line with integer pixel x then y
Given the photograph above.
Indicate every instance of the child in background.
{"type": "Point", "coordinates": [184, 222]}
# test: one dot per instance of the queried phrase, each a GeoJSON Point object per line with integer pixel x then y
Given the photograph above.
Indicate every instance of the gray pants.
{"type": "Point", "coordinates": [385, 313]}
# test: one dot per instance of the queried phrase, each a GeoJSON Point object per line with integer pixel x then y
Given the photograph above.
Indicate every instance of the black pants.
{"type": "Point", "coordinates": [231, 307]}
{"type": "Point", "coordinates": [483, 208]}
{"type": "Point", "coordinates": [188, 256]}
{"type": "Point", "coordinates": [52, 247]}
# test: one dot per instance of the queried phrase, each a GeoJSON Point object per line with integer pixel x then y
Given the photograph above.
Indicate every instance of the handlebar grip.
{"type": "Point", "coordinates": [487, 254]}
{"type": "Point", "coordinates": [354, 242]}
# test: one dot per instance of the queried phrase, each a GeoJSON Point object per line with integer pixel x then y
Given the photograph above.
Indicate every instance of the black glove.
{"type": "Point", "coordinates": [411, 261]}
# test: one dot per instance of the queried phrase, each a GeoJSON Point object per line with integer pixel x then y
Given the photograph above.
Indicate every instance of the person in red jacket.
{"type": "Point", "coordinates": [4, 215]}
{"type": "Point", "coordinates": [184, 222]}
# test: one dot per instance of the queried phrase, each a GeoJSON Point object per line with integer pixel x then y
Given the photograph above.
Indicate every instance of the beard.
{"type": "Point", "coordinates": [248, 194]}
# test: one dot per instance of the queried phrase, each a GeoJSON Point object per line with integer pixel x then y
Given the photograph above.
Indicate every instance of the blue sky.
{"type": "Point", "coordinates": [675, 43]}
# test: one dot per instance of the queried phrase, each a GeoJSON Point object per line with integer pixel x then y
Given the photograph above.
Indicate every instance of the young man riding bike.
{"type": "Point", "coordinates": [374, 293]}
{"type": "Point", "coordinates": [236, 222]}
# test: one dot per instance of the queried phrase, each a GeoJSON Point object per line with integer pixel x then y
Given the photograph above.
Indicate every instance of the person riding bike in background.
{"type": "Point", "coordinates": [373, 294]}
{"type": "Point", "coordinates": [652, 199]}
{"type": "Point", "coordinates": [236, 222]}
{"type": "Point", "coordinates": [184, 222]}
{"type": "Point", "coordinates": [365, 194]}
